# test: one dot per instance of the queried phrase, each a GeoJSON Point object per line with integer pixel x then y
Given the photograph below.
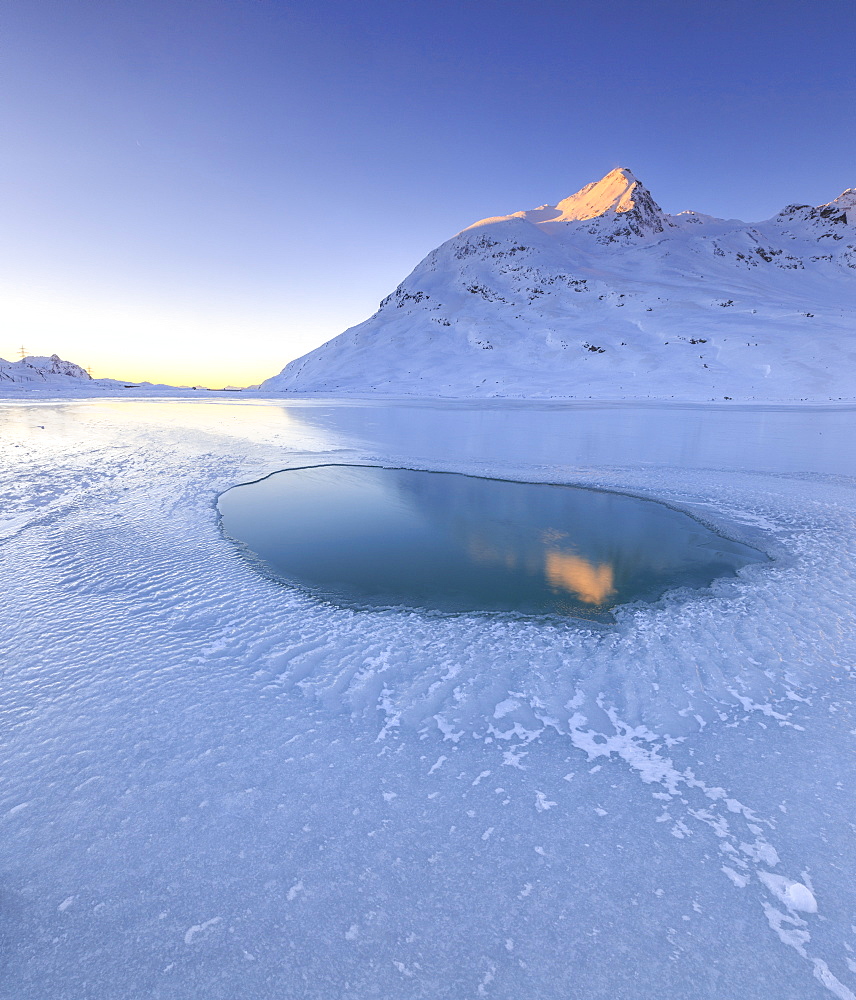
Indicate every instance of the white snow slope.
{"type": "Point", "coordinates": [605, 296]}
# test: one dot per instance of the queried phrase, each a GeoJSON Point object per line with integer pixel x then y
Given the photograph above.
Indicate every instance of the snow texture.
{"type": "Point", "coordinates": [215, 785]}
{"type": "Point", "coordinates": [605, 296]}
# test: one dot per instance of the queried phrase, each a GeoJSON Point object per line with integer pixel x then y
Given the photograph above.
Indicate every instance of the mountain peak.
{"type": "Point", "coordinates": [619, 191]}
{"type": "Point", "coordinates": [846, 202]}
{"type": "Point", "coordinates": [847, 199]}
{"type": "Point", "coordinates": [54, 365]}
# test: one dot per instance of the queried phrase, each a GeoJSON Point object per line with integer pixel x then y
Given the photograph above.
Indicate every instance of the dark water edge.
{"type": "Point", "coordinates": [372, 537]}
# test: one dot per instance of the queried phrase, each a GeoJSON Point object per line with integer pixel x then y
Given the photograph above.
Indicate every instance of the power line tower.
{"type": "Point", "coordinates": [22, 351]}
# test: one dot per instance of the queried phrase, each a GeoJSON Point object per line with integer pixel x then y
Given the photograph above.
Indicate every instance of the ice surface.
{"type": "Point", "coordinates": [217, 787]}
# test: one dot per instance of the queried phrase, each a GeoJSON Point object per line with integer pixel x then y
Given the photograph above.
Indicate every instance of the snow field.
{"type": "Point", "coordinates": [217, 786]}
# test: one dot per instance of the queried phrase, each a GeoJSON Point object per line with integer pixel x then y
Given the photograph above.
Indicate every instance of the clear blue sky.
{"type": "Point", "coordinates": [202, 190]}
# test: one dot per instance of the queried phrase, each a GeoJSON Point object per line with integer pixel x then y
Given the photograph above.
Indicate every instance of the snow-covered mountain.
{"type": "Point", "coordinates": [53, 375]}
{"type": "Point", "coordinates": [604, 295]}
{"type": "Point", "coordinates": [40, 371]}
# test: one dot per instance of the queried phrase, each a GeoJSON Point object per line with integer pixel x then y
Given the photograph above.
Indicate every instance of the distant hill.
{"type": "Point", "coordinates": [53, 374]}
{"type": "Point", "coordinates": [603, 295]}
{"type": "Point", "coordinates": [41, 371]}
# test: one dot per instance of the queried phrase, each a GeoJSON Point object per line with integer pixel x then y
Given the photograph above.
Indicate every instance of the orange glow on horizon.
{"type": "Point", "coordinates": [137, 339]}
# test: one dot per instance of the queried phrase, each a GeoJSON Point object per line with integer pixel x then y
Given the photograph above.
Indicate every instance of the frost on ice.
{"type": "Point", "coordinates": [247, 792]}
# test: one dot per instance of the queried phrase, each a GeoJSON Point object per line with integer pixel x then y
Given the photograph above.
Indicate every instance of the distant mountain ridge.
{"type": "Point", "coordinates": [603, 295]}
{"type": "Point", "coordinates": [41, 370]}
{"type": "Point", "coordinates": [52, 374]}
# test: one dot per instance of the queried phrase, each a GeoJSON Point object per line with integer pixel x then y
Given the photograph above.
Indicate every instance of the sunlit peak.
{"type": "Point", "coordinates": [616, 192]}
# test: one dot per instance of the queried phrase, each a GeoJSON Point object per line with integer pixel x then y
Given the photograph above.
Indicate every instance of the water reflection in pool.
{"type": "Point", "coordinates": [367, 536]}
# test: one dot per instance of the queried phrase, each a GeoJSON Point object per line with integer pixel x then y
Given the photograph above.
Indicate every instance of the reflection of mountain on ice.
{"type": "Point", "coordinates": [589, 583]}
{"type": "Point", "coordinates": [465, 544]}
{"type": "Point", "coordinates": [590, 544]}
{"type": "Point", "coordinates": [604, 295]}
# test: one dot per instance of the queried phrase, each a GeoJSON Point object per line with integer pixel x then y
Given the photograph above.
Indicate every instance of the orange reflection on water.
{"type": "Point", "coordinates": [591, 584]}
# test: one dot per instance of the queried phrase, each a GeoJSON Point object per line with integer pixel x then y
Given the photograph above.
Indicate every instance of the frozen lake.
{"type": "Point", "coordinates": [215, 786]}
{"type": "Point", "coordinates": [367, 537]}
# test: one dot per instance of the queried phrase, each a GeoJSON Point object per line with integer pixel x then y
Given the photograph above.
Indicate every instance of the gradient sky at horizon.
{"type": "Point", "coordinates": [198, 191]}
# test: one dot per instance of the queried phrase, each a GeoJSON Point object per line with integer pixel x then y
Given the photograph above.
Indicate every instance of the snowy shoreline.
{"type": "Point", "coordinates": [51, 394]}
